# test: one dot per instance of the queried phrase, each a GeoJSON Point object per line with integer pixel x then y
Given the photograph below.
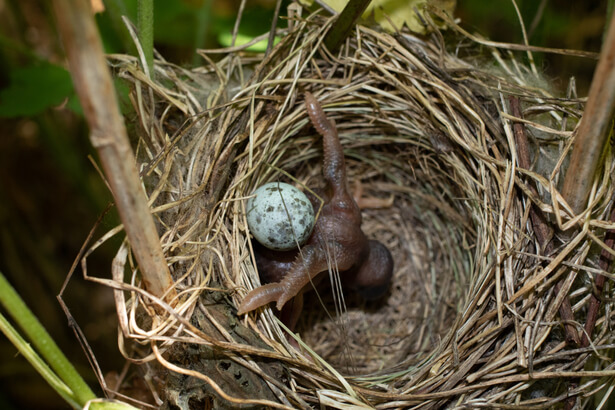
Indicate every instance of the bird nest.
{"type": "Point", "coordinates": [487, 253]}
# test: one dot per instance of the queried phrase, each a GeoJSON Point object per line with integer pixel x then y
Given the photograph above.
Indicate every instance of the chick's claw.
{"type": "Point", "coordinates": [260, 297]}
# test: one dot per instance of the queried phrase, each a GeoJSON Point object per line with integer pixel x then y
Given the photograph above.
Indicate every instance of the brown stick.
{"type": "Point", "coordinates": [594, 302]}
{"type": "Point", "coordinates": [344, 23]}
{"type": "Point", "coordinates": [108, 135]}
{"type": "Point", "coordinates": [589, 145]}
{"type": "Point", "coordinates": [594, 305]}
{"type": "Point", "coordinates": [539, 222]}
{"type": "Point", "coordinates": [594, 128]}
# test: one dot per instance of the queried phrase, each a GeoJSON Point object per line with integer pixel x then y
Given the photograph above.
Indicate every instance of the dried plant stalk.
{"type": "Point", "coordinates": [96, 92]}
{"type": "Point", "coordinates": [594, 129]}
{"type": "Point", "coordinates": [344, 23]}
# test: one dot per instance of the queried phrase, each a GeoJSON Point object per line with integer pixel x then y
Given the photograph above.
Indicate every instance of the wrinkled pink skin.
{"type": "Point", "coordinates": [337, 242]}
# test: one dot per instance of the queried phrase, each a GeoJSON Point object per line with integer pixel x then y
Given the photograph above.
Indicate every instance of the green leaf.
{"type": "Point", "coordinates": [34, 89]}
{"type": "Point", "coordinates": [225, 39]}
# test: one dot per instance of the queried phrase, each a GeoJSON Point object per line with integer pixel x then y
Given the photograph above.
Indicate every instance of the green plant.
{"type": "Point", "coordinates": [49, 361]}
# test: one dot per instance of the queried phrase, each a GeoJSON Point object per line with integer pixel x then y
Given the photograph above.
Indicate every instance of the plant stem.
{"type": "Point", "coordinates": [274, 25]}
{"type": "Point", "coordinates": [115, 9]}
{"type": "Point", "coordinates": [605, 261]}
{"type": "Point", "coordinates": [36, 333]}
{"type": "Point", "coordinates": [203, 20]}
{"type": "Point", "coordinates": [594, 128]}
{"type": "Point", "coordinates": [344, 23]}
{"type": "Point", "coordinates": [39, 364]}
{"type": "Point", "coordinates": [145, 28]}
{"type": "Point", "coordinates": [108, 135]}
{"type": "Point", "coordinates": [542, 231]}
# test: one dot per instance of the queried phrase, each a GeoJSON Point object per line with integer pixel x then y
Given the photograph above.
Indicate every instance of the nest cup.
{"type": "Point", "coordinates": [460, 325]}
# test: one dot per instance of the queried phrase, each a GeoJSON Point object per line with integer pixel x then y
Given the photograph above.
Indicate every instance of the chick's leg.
{"type": "Point", "coordinates": [311, 261]}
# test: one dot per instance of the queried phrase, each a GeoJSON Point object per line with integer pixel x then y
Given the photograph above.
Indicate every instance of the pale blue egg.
{"type": "Point", "coordinates": [280, 216]}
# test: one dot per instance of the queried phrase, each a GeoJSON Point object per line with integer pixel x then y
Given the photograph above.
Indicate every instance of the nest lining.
{"type": "Point", "coordinates": [416, 122]}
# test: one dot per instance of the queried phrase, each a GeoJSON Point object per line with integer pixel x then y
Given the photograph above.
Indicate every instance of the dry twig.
{"type": "Point", "coordinates": [594, 129]}
{"type": "Point", "coordinates": [543, 232]}
{"type": "Point", "coordinates": [93, 83]}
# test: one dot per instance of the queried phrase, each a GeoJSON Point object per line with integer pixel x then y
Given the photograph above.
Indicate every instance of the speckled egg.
{"type": "Point", "coordinates": [277, 214]}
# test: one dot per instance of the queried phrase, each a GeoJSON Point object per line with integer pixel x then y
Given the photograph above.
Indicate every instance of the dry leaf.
{"type": "Point", "coordinates": [392, 15]}
{"type": "Point", "coordinates": [97, 6]}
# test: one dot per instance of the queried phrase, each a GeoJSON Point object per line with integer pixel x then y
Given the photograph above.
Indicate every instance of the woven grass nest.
{"type": "Point", "coordinates": [472, 317]}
